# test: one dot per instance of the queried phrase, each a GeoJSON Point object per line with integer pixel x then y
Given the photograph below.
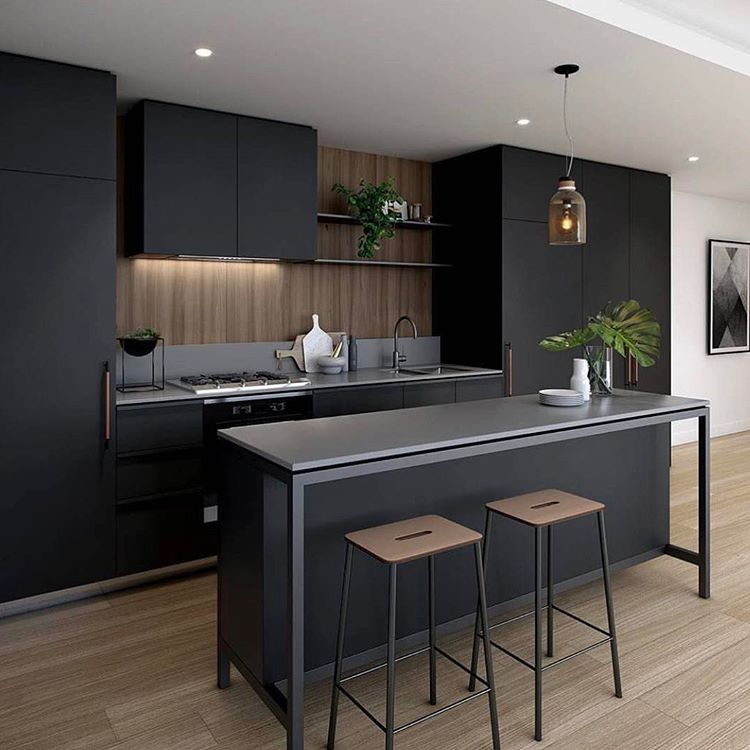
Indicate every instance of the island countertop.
{"type": "Point", "coordinates": [336, 441]}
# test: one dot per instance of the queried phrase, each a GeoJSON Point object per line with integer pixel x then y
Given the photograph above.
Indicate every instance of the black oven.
{"type": "Point", "coordinates": [236, 411]}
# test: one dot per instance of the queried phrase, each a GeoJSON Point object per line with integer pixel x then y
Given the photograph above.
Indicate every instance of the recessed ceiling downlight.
{"type": "Point", "coordinates": [204, 52]}
{"type": "Point", "coordinates": [523, 121]}
{"type": "Point", "coordinates": [694, 158]}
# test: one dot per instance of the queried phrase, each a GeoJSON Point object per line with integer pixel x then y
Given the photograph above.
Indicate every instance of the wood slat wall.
{"type": "Point", "coordinates": [197, 302]}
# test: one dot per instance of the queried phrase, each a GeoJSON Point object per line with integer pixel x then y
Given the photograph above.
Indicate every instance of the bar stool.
{"type": "Point", "coordinates": [395, 544]}
{"type": "Point", "coordinates": [547, 508]}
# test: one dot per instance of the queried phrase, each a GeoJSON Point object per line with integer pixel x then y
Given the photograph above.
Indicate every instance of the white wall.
{"type": "Point", "coordinates": [725, 378]}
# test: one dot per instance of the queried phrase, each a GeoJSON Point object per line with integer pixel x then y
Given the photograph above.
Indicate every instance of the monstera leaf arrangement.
{"type": "Point", "coordinates": [373, 206]}
{"type": "Point", "coordinates": [625, 326]}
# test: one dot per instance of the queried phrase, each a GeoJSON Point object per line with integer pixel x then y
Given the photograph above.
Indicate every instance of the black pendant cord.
{"type": "Point", "coordinates": [567, 71]}
{"type": "Point", "coordinates": [565, 125]}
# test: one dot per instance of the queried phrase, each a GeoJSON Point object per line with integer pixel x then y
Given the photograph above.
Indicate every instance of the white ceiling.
{"type": "Point", "coordinates": [418, 78]}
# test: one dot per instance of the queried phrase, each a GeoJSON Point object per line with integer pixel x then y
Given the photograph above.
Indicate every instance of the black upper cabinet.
{"type": "Point", "coordinates": [56, 119]}
{"type": "Point", "coordinates": [650, 266]}
{"type": "Point", "coordinates": [204, 183]}
{"type": "Point", "coordinates": [57, 275]}
{"type": "Point", "coordinates": [181, 181]}
{"type": "Point", "coordinates": [541, 296]}
{"type": "Point", "coordinates": [277, 190]}
{"type": "Point", "coordinates": [529, 180]}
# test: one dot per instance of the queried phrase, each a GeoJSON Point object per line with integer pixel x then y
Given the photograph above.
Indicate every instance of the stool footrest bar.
{"type": "Point", "coordinates": [377, 667]}
{"type": "Point", "coordinates": [581, 620]}
{"type": "Point", "coordinates": [442, 710]}
{"type": "Point", "coordinates": [584, 650]}
{"type": "Point", "coordinates": [340, 686]}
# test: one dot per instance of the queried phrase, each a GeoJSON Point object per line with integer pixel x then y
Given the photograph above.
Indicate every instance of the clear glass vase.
{"type": "Point", "coordinates": [600, 369]}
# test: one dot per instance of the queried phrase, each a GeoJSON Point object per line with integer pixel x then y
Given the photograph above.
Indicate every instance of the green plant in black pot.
{"type": "Point", "coordinates": [624, 327]}
{"type": "Point", "coordinates": [140, 342]}
{"type": "Point", "coordinates": [373, 206]}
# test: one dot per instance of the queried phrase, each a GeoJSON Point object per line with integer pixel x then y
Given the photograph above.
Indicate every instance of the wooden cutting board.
{"type": "Point", "coordinates": [295, 353]}
{"type": "Point", "coordinates": [316, 343]}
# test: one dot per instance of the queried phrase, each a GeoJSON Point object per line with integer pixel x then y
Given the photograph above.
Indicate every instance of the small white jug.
{"type": "Point", "coordinates": [579, 381]}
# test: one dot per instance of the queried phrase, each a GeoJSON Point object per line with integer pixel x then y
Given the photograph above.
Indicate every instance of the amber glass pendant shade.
{"type": "Point", "coordinates": [567, 215]}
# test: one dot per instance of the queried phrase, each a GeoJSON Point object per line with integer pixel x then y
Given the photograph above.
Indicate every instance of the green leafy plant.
{"type": "Point", "coordinates": [143, 333]}
{"type": "Point", "coordinates": [625, 326]}
{"type": "Point", "coordinates": [372, 204]}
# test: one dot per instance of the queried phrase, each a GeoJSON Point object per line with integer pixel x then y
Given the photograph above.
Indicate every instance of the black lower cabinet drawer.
{"type": "Point", "coordinates": [155, 533]}
{"type": "Point", "coordinates": [338, 401]}
{"type": "Point", "coordinates": [475, 389]}
{"type": "Point", "coordinates": [155, 426]}
{"type": "Point", "coordinates": [428, 394]}
{"type": "Point", "coordinates": [160, 473]}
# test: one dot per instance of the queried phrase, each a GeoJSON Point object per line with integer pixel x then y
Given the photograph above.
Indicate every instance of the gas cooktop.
{"type": "Point", "coordinates": [239, 382]}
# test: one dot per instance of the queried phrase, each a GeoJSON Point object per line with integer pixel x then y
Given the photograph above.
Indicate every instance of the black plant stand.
{"type": "Point", "coordinates": [156, 384]}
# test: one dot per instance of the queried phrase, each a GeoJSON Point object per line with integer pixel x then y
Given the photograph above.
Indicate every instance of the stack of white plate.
{"type": "Point", "coordinates": [560, 397]}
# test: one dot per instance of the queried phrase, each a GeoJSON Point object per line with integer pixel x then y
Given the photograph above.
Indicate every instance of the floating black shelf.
{"type": "Point", "coordinates": [346, 219]}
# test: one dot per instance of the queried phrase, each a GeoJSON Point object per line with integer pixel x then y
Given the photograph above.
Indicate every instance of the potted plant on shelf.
{"type": "Point", "coordinates": [625, 327]}
{"type": "Point", "coordinates": [374, 206]}
{"type": "Point", "coordinates": [140, 342]}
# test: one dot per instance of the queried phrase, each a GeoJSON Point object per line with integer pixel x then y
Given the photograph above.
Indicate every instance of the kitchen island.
{"type": "Point", "coordinates": [290, 491]}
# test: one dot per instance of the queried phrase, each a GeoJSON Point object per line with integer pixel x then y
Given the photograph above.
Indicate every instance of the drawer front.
{"type": "Point", "coordinates": [143, 428]}
{"type": "Point", "coordinates": [339, 401]}
{"type": "Point", "coordinates": [475, 389]}
{"type": "Point", "coordinates": [427, 394]}
{"type": "Point", "coordinates": [166, 532]}
{"type": "Point", "coordinates": [152, 475]}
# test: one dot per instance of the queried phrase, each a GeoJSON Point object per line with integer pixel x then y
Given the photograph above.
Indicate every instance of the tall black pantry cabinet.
{"type": "Point", "coordinates": [57, 281]}
{"type": "Point", "coordinates": [508, 288]}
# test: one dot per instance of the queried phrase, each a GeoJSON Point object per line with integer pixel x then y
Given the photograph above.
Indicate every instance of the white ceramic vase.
{"type": "Point", "coordinates": [579, 381]}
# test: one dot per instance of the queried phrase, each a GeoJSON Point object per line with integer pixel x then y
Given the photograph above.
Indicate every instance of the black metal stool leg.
{"type": "Point", "coordinates": [538, 633]}
{"type": "Point", "coordinates": [433, 638]}
{"type": "Point", "coordinates": [340, 647]}
{"type": "Point", "coordinates": [485, 558]}
{"type": "Point", "coordinates": [610, 605]}
{"type": "Point", "coordinates": [390, 697]}
{"type": "Point", "coordinates": [550, 597]}
{"type": "Point", "coordinates": [492, 695]}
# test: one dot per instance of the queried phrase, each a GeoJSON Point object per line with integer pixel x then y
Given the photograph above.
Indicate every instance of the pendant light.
{"type": "Point", "coordinates": [567, 207]}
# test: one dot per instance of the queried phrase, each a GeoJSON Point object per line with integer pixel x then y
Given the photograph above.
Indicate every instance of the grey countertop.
{"type": "Point", "coordinates": [334, 441]}
{"type": "Point", "coordinates": [370, 376]}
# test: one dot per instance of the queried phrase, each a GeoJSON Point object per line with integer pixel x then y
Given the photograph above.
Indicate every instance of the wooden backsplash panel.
{"type": "Point", "coordinates": [196, 302]}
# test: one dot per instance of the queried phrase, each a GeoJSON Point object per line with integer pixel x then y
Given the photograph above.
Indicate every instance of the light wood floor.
{"type": "Point", "coordinates": [135, 670]}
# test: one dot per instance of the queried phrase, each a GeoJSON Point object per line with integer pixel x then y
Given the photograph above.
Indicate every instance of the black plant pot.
{"type": "Point", "coordinates": [138, 347]}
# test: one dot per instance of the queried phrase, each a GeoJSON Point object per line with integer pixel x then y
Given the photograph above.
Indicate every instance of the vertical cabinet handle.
{"type": "Point", "coordinates": [107, 405]}
{"type": "Point", "coordinates": [508, 369]}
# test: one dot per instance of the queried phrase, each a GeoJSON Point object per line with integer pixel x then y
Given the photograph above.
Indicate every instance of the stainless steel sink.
{"type": "Point", "coordinates": [433, 370]}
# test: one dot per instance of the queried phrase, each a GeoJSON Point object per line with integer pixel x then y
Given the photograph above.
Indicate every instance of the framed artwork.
{"type": "Point", "coordinates": [729, 282]}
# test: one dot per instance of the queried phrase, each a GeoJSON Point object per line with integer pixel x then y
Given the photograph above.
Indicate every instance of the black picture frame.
{"type": "Point", "coordinates": [728, 329]}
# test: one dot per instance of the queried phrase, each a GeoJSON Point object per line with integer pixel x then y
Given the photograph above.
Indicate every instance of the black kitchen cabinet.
{"type": "Point", "coordinates": [277, 190]}
{"type": "Point", "coordinates": [428, 394]}
{"type": "Point", "coordinates": [205, 183]}
{"type": "Point", "coordinates": [158, 532]}
{"type": "Point", "coordinates": [161, 486]}
{"type": "Point", "coordinates": [541, 296]}
{"type": "Point", "coordinates": [479, 388]}
{"type": "Point", "coordinates": [650, 267]}
{"type": "Point", "coordinates": [56, 119]}
{"type": "Point", "coordinates": [181, 181]}
{"type": "Point", "coordinates": [57, 275]}
{"type": "Point", "coordinates": [334, 402]}
{"type": "Point", "coordinates": [508, 285]}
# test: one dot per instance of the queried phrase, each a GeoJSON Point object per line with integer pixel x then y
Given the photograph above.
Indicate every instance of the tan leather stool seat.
{"type": "Point", "coordinates": [413, 539]}
{"type": "Point", "coordinates": [545, 507]}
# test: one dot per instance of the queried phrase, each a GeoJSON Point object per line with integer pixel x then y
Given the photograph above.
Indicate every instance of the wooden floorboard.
{"type": "Point", "coordinates": [134, 670]}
